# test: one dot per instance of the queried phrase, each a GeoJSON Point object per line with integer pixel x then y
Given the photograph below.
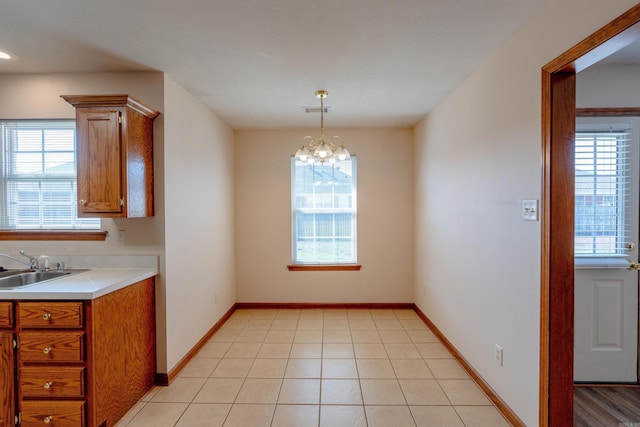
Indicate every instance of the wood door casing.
{"type": "Point", "coordinates": [99, 158]}
{"type": "Point", "coordinates": [556, 299]}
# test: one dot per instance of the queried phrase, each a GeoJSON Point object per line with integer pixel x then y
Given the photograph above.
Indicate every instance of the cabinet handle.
{"type": "Point", "coordinates": [82, 202]}
{"type": "Point", "coordinates": [47, 350]}
{"type": "Point", "coordinates": [46, 316]}
{"type": "Point", "coordinates": [48, 385]}
{"type": "Point", "coordinates": [48, 420]}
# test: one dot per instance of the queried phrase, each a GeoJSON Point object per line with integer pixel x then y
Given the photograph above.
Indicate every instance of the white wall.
{"type": "Point", "coordinates": [385, 220]}
{"type": "Point", "coordinates": [198, 174]}
{"type": "Point", "coordinates": [602, 86]}
{"type": "Point", "coordinates": [478, 155]}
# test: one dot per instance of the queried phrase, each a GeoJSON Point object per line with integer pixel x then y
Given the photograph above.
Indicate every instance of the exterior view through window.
{"type": "Point", "coordinates": [602, 166]}
{"type": "Point", "coordinates": [38, 176]}
{"type": "Point", "coordinates": [323, 201]}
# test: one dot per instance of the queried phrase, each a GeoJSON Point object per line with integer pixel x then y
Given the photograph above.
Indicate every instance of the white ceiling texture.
{"type": "Point", "coordinates": [257, 63]}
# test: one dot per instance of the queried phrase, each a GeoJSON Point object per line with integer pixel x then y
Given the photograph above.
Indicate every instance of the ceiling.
{"type": "Point", "coordinates": [257, 63]}
{"type": "Point", "coordinates": [629, 55]}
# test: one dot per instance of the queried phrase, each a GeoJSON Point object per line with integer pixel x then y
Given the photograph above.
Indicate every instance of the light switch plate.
{"type": "Point", "coordinates": [530, 210]}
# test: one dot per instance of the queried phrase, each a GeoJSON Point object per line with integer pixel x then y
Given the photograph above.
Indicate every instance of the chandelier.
{"type": "Point", "coordinates": [322, 149]}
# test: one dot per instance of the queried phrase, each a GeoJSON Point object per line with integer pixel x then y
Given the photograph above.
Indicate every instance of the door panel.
{"type": "Point", "coordinates": [608, 313]}
{"type": "Point", "coordinates": [99, 161]}
{"type": "Point", "coordinates": [605, 291]}
{"type": "Point", "coordinates": [605, 344]}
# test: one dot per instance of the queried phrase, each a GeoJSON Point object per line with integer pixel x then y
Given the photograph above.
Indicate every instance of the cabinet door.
{"type": "Point", "coordinates": [7, 396]}
{"type": "Point", "coordinates": [99, 159]}
{"type": "Point", "coordinates": [6, 314]}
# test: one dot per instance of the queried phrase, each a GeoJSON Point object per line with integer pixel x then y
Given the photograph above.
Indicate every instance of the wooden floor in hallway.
{"type": "Point", "coordinates": [605, 406]}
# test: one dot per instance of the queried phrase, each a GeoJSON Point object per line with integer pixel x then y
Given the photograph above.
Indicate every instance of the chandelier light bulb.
{"type": "Point", "coordinates": [342, 153]}
{"type": "Point", "coordinates": [323, 150]}
{"type": "Point", "coordinates": [303, 153]}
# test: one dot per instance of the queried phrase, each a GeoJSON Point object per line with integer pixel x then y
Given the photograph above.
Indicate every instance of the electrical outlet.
{"type": "Point", "coordinates": [498, 355]}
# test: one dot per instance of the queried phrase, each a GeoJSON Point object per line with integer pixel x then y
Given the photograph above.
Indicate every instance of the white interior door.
{"type": "Point", "coordinates": [606, 291]}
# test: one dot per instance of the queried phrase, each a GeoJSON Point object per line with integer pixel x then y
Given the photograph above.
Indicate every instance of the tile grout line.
{"type": "Point", "coordinates": [323, 345]}
{"type": "Point", "coordinates": [353, 347]}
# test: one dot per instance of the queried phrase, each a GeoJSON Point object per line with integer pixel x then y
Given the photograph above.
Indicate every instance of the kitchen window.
{"type": "Point", "coordinates": [38, 177]}
{"type": "Point", "coordinates": [323, 201]}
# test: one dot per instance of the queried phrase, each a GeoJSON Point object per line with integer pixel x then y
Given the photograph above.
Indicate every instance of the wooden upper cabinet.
{"type": "Point", "coordinates": [114, 148]}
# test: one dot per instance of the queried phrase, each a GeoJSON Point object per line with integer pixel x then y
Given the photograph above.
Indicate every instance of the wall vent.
{"type": "Point", "coordinates": [316, 109]}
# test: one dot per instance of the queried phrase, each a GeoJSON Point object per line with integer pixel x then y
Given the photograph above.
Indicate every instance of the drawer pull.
{"type": "Point", "coordinates": [48, 385]}
{"type": "Point", "coordinates": [48, 420]}
{"type": "Point", "coordinates": [46, 316]}
{"type": "Point", "coordinates": [47, 350]}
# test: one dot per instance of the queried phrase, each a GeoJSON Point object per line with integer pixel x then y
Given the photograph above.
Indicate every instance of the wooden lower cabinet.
{"type": "Point", "coordinates": [7, 389]}
{"type": "Point", "coordinates": [52, 347]}
{"type": "Point", "coordinates": [84, 363]}
{"type": "Point", "coordinates": [52, 383]}
{"type": "Point", "coordinates": [60, 414]}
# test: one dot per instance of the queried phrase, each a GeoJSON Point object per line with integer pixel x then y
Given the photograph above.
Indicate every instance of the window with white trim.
{"type": "Point", "coordinates": [602, 173]}
{"type": "Point", "coordinates": [323, 205]}
{"type": "Point", "coordinates": [38, 176]}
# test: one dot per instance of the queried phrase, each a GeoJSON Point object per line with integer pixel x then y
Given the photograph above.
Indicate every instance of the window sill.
{"type": "Point", "coordinates": [52, 235]}
{"type": "Point", "coordinates": [333, 267]}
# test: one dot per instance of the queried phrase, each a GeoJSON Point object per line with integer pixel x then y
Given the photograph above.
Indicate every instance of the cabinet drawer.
{"type": "Point", "coordinates": [51, 347]}
{"type": "Point", "coordinates": [50, 314]}
{"type": "Point", "coordinates": [52, 382]}
{"type": "Point", "coordinates": [58, 414]}
{"type": "Point", "coordinates": [6, 314]}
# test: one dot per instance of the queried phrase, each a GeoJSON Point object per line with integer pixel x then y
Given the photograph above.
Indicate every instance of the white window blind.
{"type": "Point", "coordinates": [602, 168]}
{"type": "Point", "coordinates": [323, 200]}
{"type": "Point", "coordinates": [38, 176]}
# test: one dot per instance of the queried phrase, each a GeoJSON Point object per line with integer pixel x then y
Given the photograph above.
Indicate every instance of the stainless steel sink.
{"type": "Point", "coordinates": [11, 279]}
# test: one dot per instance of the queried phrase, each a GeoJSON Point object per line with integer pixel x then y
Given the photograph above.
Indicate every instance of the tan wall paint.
{"type": "Point", "coordinates": [385, 220]}
{"type": "Point", "coordinates": [199, 236]}
{"type": "Point", "coordinates": [478, 155]}
{"type": "Point", "coordinates": [608, 86]}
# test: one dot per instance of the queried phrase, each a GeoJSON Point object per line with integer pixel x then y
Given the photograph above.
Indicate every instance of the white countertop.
{"type": "Point", "coordinates": [86, 285]}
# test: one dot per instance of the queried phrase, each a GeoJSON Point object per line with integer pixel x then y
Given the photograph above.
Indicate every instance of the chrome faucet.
{"type": "Point", "coordinates": [33, 261]}
{"type": "Point", "coordinates": [32, 264]}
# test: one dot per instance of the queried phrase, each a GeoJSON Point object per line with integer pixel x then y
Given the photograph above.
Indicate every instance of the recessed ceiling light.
{"type": "Point", "coordinates": [4, 55]}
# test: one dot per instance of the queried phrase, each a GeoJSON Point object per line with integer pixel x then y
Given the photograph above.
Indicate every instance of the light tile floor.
{"type": "Point", "coordinates": [323, 368]}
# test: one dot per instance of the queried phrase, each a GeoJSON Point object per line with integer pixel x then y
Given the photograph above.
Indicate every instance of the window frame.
{"type": "Point", "coordinates": [617, 254]}
{"type": "Point", "coordinates": [40, 233]}
{"type": "Point", "coordinates": [298, 265]}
